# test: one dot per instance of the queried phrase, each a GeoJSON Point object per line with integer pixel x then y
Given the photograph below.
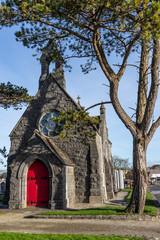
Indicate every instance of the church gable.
{"type": "Point", "coordinates": [36, 151]}
{"type": "Point", "coordinates": [50, 97]}
{"type": "Point", "coordinates": [38, 148]}
{"type": "Point", "coordinates": [75, 170]}
{"type": "Point", "coordinates": [55, 150]}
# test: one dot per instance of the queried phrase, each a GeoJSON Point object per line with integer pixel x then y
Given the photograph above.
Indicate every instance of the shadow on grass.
{"type": "Point", "coordinates": [117, 209]}
{"type": "Point", "coordinates": [151, 202]}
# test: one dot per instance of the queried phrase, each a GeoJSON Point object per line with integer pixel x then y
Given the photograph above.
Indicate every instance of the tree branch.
{"type": "Point", "coordinates": [65, 29]}
{"type": "Point", "coordinates": [143, 82]}
{"type": "Point", "coordinates": [114, 82]}
{"type": "Point", "coordinates": [124, 64]}
{"type": "Point", "coordinates": [108, 71]}
{"type": "Point", "coordinates": [152, 130]}
{"type": "Point", "coordinates": [154, 86]}
{"type": "Point", "coordinates": [119, 110]}
{"type": "Point", "coordinates": [97, 104]}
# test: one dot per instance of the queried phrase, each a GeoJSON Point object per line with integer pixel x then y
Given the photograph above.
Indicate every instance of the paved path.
{"type": "Point", "coordinates": [19, 222]}
{"type": "Point", "coordinates": [155, 191]}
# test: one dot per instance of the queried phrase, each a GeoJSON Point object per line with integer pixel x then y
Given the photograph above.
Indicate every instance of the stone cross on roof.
{"type": "Point", "coordinates": [79, 99]}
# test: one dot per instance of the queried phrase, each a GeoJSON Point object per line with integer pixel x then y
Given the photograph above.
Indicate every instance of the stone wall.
{"type": "Point", "coordinates": [69, 190]}
{"type": "Point", "coordinates": [107, 155]}
{"type": "Point", "coordinates": [92, 163]}
{"type": "Point", "coordinates": [19, 168]}
{"type": "Point", "coordinates": [97, 179]}
{"type": "Point", "coordinates": [78, 153]}
{"type": "Point", "coordinates": [50, 97]}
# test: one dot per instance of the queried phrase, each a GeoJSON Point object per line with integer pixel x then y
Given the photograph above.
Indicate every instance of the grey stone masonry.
{"type": "Point", "coordinates": [78, 172]}
{"type": "Point", "coordinates": [107, 156]}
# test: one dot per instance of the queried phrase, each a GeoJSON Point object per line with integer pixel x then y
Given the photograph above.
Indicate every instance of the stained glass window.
{"type": "Point", "coordinates": [48, 126]}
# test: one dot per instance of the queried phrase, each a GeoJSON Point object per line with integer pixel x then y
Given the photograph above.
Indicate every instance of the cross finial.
{"type": "Point", "coordinates": [78, 99]}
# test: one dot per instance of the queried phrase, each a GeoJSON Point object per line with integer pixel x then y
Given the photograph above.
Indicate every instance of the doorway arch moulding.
{"type": "Point", "coordinates": [22, 178]}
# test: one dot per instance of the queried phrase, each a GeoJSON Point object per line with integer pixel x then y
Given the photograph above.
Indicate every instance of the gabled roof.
{"type": "Point", "coordinates": [50, 76]}
{"type": "Point", "coordinates": [65, 92]}
{"type": "Point", "coordinates": [52, 146]}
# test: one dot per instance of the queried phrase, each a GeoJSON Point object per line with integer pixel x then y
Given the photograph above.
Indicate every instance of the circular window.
{"type": "Point", "coordinates": [48, 126]}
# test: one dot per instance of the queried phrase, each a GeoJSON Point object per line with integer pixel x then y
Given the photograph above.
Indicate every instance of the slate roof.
{"type": "Point", "coordinates": [52, 146]}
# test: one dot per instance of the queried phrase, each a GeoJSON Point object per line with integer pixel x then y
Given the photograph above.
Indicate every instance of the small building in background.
{"type": "Point", "coordinates": [153, 175]}
{"type": "Point", "coordinates": [119, 179]}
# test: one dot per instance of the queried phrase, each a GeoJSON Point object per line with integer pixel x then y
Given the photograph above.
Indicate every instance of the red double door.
{"type": "Point", "coordinates": [38, 185]}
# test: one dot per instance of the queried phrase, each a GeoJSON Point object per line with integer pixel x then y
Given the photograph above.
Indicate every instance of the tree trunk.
{"type": "Point", "coordinates": [138, 198]}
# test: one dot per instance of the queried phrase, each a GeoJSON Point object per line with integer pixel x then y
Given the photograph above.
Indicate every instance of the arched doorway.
{"type": "Point", "coordinates": [38, 184]}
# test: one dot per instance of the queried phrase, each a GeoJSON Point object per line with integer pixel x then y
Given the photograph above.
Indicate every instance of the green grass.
{"type": "Point", "coordinates": [24, 236]}
{"type": "Point", "coordinates": [149, 209]}
{"type": "Point", "coordinates": [90, 211]}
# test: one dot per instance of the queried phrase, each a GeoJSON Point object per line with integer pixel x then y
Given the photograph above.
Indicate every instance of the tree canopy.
{"type": "Point", "coordinates": [95, 29]}
{"type": "Point", "coordinates": [3, 152]}
{"type": "Point", "coordinates": [120, 163]}
{"type": "Point", "coordinates": [13, 96]}
{"type": "Point", "coordinates": [83, 28]}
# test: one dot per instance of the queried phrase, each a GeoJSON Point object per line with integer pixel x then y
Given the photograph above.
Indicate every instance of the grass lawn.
{"type": "Point", "coordinates": [150, 209]}
{"type": "Point", "coordinates": [90, 211]}
{"type": "Point", "coordinates": [24, 236]}
{"type": "Point", "coordinates": [149, 205]}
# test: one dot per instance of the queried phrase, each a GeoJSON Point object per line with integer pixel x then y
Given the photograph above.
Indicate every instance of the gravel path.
{"type": "Point", "coordinates": [15, 221]}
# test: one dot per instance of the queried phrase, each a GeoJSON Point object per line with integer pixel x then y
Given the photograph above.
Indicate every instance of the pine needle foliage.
{"type": "Point", "coordinates": [73, 122]}
{"type": "Point", "coordinates": [13, 96]}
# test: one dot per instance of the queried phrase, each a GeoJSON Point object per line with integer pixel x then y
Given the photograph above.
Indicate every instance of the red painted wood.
{"type": "Point", "coordinates": [37, 184]}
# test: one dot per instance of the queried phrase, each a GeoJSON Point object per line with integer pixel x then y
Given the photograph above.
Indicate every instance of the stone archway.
{"type": "Point", "coordinates": [22, 176]}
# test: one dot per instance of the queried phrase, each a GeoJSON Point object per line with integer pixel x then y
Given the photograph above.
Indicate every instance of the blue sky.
{"type": "Point", "coordinates": [18, 66]}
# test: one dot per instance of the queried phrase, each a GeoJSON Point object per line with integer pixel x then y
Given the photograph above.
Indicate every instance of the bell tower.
{"type": "Point", "coordinates": [46, 59]}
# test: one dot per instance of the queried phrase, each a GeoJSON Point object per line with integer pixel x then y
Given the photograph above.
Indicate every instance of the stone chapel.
{"type": "Point", "coordinates": [43, 170]}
